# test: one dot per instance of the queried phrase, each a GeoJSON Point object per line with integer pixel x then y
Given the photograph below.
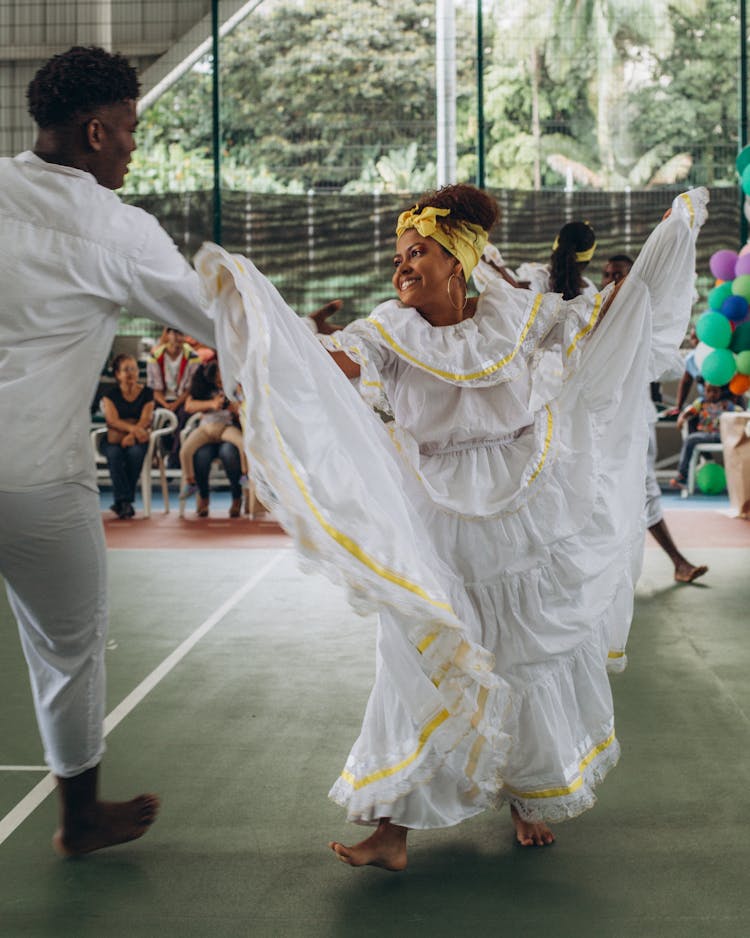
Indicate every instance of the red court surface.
{"type": "Point", "coordinates": [690, 528]}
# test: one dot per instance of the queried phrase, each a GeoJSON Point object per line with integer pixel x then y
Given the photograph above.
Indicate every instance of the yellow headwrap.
{"type": "Point", "coordinates": [583, 257]}
{"type": "Point", "coordinates": [464, 241]}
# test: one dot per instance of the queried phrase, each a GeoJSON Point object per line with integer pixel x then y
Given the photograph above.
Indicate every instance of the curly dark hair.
{"type": "Point", "coordinates": [77, 81]}
{"type": "Point", "coordinates": [205, 382]}
{"type": "Point", "coordinates": [566, 273]}
{"type": "Point", "coordinates": [466, 203]}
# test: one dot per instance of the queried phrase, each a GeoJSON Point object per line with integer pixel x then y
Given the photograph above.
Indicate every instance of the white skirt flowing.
{"type": "Point", "coordinates": [496, 625]}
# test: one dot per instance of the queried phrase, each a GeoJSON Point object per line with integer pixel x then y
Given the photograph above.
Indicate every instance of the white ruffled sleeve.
{"type": "Point", "coordinates": [666, 266]}
{"type": "Point", "coordinates": [354, 341]}
{"type": "Point", "coordinates": [638, 336]}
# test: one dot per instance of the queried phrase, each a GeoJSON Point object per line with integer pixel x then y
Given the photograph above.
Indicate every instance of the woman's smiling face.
{"type": "Point", "coordinates": [421, 270]}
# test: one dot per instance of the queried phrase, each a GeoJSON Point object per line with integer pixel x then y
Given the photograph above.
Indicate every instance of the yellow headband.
{"type": "Point", "coordinates": [464, 240]}
{"type": "Point", "coordinates": [583, 257]}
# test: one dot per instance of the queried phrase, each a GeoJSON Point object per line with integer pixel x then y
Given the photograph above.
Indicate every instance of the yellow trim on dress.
{"type": "Point", "coordinates": [426, 642]}
{"type": "Point", "coordinates": [588, 327]}
{"type": "Point", "coordinates": [350, 545]}
{"type": "Point", "coordinates": [689, 202]}
{"type": "Point", "coordinates": [429, 729]}
{"type": "Point", "coordinates": [454, 376]}
{"type": "Point", "coordinates": [547, 441]}
{"type": "Point", "coordinates": [574, 786]}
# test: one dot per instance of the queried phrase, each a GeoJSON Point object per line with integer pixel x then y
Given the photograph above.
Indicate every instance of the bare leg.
{"type": "Point", "coordinates": [684, 571]}
{"type": "Point", "coordinates": [87, 824]}
{"type": "Point", "coordinates": [385, 847]}
{"type": "Point", "coordinates": [531, 834]}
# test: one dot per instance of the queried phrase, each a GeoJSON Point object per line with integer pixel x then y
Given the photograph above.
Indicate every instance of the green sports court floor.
{"type": "Point", "coordinates": [236, 687]}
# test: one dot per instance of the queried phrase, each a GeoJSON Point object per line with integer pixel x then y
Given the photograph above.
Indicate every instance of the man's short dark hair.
{"type": "Point", "coordinates": [621, 259]}
{"type": "Point", "coordinates": [78, 81]}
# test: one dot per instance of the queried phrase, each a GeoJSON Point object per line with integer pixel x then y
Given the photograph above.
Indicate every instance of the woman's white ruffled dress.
{"type": "Point", "coordinates": [538, 278]}
{"type": "Point", "coordinates": [484, 491]}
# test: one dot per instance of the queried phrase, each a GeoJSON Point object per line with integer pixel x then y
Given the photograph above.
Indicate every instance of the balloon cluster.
{"type": "Point", "coordinates": [723, 350]}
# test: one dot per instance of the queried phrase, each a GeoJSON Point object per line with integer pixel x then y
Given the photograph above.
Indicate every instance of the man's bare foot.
{"type": "Point", "coordinates": [385, 847]}
{"type": "Point", "coordinates": [531, 834]}
{"type": "Point", "coordinates": [685, 572]}
{"type": "Point", "coordinates": [110, 823]}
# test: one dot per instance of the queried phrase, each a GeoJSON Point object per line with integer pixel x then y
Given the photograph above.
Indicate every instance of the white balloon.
{"type": "Point", "coordinates": [702, 351]}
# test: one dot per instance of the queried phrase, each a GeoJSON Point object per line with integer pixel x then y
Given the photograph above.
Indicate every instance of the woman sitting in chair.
{"type": "Point", "coordinates": [217, 436]}
{"type": "Point", "coordinates": [128, 409]}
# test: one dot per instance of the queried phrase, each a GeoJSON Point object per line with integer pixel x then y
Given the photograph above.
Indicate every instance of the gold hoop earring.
{"type": "Point", "coordinates": [466, 296]}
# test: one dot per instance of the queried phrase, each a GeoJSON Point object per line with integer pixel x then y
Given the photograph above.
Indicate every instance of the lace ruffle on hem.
{"type": "Point", "coordinates": [551, 807]}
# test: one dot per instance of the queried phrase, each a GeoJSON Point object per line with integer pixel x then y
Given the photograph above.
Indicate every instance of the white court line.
{"type": "Point", "coordinates": [23, 768]}
{"type": "Point", "coordinates": [16, 816]}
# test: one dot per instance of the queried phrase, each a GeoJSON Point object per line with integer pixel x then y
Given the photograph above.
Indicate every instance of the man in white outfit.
{"type": "Point", "coordinates": [72, 255]}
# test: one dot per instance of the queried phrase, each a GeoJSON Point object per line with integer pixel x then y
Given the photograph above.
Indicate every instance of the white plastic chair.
{"type": "Point", "coordinates": [163, 422]}
{"type": "Point", "coordinates": [698, 451]}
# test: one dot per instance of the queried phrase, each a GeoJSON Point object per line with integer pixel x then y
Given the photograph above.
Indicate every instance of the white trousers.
{"type": "Point", "coordinates": [53, 559]}
{"type": "Point", "coordinates": [654, 512]}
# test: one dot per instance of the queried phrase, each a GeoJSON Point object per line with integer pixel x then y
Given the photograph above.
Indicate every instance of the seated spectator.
{"type": "Point", "coordinates": [170, 369]}
{"type": "Point", "coordinates": [691, 374]}
{"type": "Point", "coordinates": [704, 413]}
{"type": "Point", "coordinates": [128, 409]}
{"type": "Point", "coordinates": [217, 435]}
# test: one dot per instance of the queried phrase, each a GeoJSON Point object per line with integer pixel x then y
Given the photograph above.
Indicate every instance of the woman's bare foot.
{"type": "Point", "coordinates": [685, 572]}
{"type": "Point", "coordinates": [107, 824]}
{"type": "Point", "coordinates": [385, 847]}
{"type": "Point", "coordinates": [531, 834]}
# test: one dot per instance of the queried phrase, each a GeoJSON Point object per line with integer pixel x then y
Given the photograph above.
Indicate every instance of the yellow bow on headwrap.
{"type": "Point", "coordinates": [583, 257]}
{"type": "Point", "coordinates": [464, 241]}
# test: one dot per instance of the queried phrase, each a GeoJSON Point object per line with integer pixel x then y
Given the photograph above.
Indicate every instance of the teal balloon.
{"type": "Point", "coordinates": [743, 160]}
{"type": "Point", "coordinates": [745, 180]}
{"type": "Point", "coordinates": [717, 295]}
{"type": "Point", "coordinates": [711, 478]}
{"type": "Point", "coordinates": [719, 366]}
{"type": "Point", "coordinates": [741, 338]}
{"type": "Point", "coordinates": [741, 285]}
{"type": "Point", "coordinates": [743, 363]}
{"type": "Point", "coordinates": [714, 329]}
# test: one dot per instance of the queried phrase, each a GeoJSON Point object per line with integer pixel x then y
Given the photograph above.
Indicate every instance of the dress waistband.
{"type": "Point", "coordinates": [435, 449]}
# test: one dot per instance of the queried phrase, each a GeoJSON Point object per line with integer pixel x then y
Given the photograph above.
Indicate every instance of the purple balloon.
{"type": "Point", "coordinates": [742, 266]}
{"type": "Point", "coordinates": [722, 264]}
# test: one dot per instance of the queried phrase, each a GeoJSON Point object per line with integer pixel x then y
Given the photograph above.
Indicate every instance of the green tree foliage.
{"type": "Point", "coordinates": [317, 93]}
{"type": "Point", "coordinates": [529, 113]}
{"type": "Point", "coordinates": [304, 86]}
{"type": "Point", "coordinates": [690, 101]}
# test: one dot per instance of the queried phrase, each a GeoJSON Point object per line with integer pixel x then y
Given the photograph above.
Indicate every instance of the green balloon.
{"type": "Point", "coordinates": [743, 363]}
{"type": "Point", "coordinates": [717, 295]}
{"type": "Point", "coordinates": [743, 160]}
{"type": "Point", "coordinates": [741, 338]}
{"type": "Point", "coordinates": [741, 284]}
{"type": "Point", "coordinates": [745, 180]}
{"type": "Point", "coordinates": [711, 478]}
{"type": "Point", "coordinates": [714, 329]}
{"type": "Point", "coordinates": [719, 366]}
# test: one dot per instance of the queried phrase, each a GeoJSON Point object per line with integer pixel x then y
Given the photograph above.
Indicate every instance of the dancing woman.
{"type": "Point", "coordinates": [490, 521]}
{"type": "Point", "coordinates": [572, 251]}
